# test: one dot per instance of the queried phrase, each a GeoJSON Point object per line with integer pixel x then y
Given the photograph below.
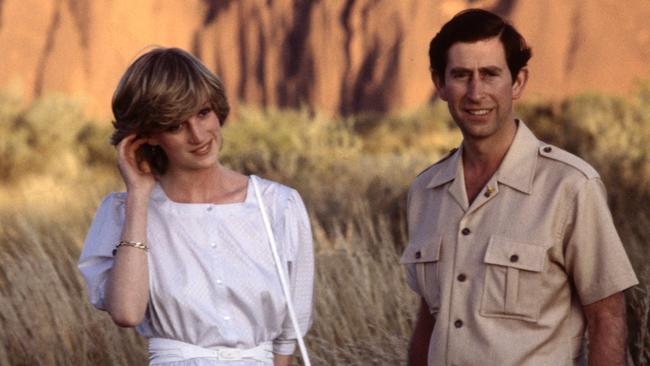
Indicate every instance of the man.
{"type": "Point", "coordinates": [511, 244]}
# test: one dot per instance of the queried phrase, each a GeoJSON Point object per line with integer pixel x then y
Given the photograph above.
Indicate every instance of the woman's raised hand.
{"type": "Point", "coordinates": [138, 178]}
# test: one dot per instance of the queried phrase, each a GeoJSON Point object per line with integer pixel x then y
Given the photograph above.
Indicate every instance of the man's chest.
{"type": "Point", "coordinates": [496, 211]}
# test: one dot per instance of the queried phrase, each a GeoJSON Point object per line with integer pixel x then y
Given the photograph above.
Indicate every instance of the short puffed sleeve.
{"type": "Point", "coordinates": [298, 243]}
{"type": "Point", "coordinates": [97, 254]}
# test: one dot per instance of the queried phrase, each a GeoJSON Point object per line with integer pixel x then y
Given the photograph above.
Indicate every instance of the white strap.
{"type": "Point", "coordinates": [278, 266]}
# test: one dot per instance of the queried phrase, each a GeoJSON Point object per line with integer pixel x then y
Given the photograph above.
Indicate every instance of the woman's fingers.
{"type": "Point", "coordinates": [122, 149]}
{"type": "Point", "coordinates": [136, 175]}
{"type": "Point", "coordinates": [127, 149]}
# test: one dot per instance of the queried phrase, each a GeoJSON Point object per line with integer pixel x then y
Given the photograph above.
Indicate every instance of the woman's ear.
{"type": "Point", "coordinates": [153, 141]}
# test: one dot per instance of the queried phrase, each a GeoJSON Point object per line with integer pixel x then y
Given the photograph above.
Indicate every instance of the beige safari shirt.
{"type": "Point", "coordinates": [506, 277]}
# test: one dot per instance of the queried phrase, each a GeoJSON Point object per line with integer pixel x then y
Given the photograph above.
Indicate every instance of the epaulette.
{"type": "Point", "coordinates": [566, 157]}
{"type": "Point", "coordinates": [447, 156]}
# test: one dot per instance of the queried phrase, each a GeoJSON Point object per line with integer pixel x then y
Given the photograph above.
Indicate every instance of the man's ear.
{"type": "Point", "coordinates": [439, 84]}
{"type": "Point", "coordinates": [519, 83]}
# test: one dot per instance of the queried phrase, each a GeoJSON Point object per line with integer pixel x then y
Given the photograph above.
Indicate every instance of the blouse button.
{"type": "Point", "coordinates": [214, 245]}
{"type": "Point", "coordinates": [226, 317]}
{"type": "Point", "coordinates": [219, 282]}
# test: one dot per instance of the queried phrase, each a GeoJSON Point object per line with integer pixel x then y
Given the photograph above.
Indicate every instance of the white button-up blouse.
{"type": "Point", "coordinates": [213, 282]}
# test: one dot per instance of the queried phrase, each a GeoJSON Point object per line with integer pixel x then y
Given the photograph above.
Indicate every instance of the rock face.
{"type": "Point", "coordinates": [339, 56]}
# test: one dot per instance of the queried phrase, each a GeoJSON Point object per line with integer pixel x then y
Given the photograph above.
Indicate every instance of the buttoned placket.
{"type": "Point", "coordinates": [214, 251]}
{"type": "Point", "coordinates": [465, 239]}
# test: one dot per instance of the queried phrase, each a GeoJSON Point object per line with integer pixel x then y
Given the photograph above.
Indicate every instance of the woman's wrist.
{"type": "Point", "coordinates": [135, 223]}
{"type": "Point", "coordinates": [137, 197]}
{"type": "Point", "coordinates": [139, 190]}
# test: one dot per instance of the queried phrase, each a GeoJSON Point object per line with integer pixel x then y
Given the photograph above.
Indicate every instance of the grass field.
{"type": "Point", "coordinates": [353, 173]}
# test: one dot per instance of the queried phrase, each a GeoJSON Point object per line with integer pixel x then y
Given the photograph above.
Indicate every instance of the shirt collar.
{"type": "Point", "coordinates": [448, 169]}
{"type": "Point", "coordinates": [516, 170]}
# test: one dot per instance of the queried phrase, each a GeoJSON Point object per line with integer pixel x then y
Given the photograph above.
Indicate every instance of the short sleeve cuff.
{"type": "Point", "coordinates": [284, 346]}
{"type": "Point", "coordinates": [609, 288]}
{"type": "Point", "coordinates": [97, 298]}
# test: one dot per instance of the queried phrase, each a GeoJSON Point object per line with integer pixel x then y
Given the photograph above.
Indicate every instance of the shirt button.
{"type": "Point", "coordinates": [466, 231]}
{"type": "Point", "coordinates": [209, 208]}
{"type": "Point", "coordinates": [458, 323]}
{"type": "Point", "coordinates": [514, 258]}
{"type": "Point", "coordinates": [548, 149]}
{"type": "Point", "coordinates": [219, 282]}
{"type": "Point", "coordinates": [226, 317]}
{"type": "Point", "coordinates": [461, 277]}
{"type": "Point", "coordinates": [418, 255]}
{"type": "Point", "coordinates": [214, 245]}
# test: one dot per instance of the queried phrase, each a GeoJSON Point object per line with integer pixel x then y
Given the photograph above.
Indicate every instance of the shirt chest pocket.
{"type": "Point", "coordinates": [421, 259]}
{"type": "Point", "coordinates": [513, 279]}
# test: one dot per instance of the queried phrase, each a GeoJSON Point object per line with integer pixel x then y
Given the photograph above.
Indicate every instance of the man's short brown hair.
{"type": "Point", "coordinates": [473, 25]}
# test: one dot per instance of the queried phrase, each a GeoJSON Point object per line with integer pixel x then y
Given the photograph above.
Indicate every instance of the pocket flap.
{"type": "Point", "coordinates": [422, 251]}
{"type": "Point", "coordinates": [509, 253]}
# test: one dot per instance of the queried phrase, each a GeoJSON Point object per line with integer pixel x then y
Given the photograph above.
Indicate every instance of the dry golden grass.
{"type": "Point", "coordinates": [352, 173]}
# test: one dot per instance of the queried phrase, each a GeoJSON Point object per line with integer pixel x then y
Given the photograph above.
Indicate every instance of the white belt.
{"type": "Point", "coordinates": [163, 350]}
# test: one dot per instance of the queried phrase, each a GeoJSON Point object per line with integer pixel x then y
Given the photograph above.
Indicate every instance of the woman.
{"type": "Point", "coordinates": [183, 254]}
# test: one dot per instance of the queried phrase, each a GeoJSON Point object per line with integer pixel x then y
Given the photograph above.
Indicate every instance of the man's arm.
{"type": "Point", "coordinates": [419, 346]}
{"type": "Point", "coordinates": [607, 329]}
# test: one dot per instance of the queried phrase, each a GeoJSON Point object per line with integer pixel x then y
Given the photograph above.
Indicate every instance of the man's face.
{"type": "Point", "coordinates": [478, 87]}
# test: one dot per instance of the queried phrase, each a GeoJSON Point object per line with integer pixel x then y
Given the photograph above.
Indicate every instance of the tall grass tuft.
{"type": "Point", "coordinates": [43, 311]}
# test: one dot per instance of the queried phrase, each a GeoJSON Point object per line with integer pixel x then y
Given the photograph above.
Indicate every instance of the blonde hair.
{"type": "Point", "coordinates": [159, 90]}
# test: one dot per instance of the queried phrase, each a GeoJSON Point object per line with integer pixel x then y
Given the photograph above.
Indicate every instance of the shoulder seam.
{"type": "Point", "coordinates": [447, 156]}
{"type": "Point", "coordinates": [567, 158]}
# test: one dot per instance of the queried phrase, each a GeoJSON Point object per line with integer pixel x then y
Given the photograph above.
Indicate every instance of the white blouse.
{"type": "Point", "coordinates": [212, 279]}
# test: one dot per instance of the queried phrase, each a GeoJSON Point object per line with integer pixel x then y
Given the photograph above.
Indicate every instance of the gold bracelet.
{"type": "Point", "coordinates": [128, 243]}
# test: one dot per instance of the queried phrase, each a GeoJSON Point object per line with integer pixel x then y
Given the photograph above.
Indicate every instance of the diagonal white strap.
{"type": "Point", "coordinates": [281, 274]}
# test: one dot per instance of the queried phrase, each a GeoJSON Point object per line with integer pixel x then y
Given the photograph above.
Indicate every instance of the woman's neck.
{"type": "Point", "coordinates": [214, 185]}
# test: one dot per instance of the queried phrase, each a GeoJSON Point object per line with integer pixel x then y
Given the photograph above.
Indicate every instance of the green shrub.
{"type": "Point", "coordinates": [50, 136]}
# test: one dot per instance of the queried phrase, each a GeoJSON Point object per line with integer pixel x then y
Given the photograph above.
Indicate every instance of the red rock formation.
{"type": "Point", "coordinates": [340, 56]}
